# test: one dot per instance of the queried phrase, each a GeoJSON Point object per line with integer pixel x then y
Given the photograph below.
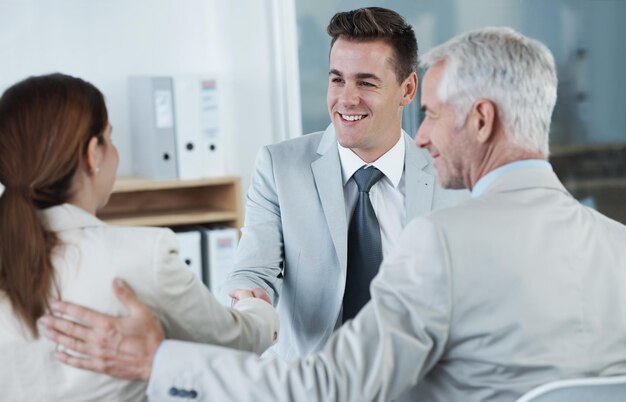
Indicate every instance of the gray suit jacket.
{"type": "Point", "coordinates": [479, 302]}
{"type": "Point", "coordinates": [294, 241]}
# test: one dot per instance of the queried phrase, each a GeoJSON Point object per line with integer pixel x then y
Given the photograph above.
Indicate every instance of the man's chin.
{"type": "Point", "coordinates": [450, 183]}
{"type": "Point", "coordinates": [347, 141]}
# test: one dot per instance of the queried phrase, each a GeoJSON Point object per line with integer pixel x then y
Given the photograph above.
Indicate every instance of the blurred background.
{"type": "Point", "coordinates": [587, 38]}
{"type": "Point", "coordinates": [270, 58]}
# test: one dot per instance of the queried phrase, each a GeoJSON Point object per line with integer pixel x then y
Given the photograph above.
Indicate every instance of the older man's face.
{"type": "Point", "coordinates": [447, 144]}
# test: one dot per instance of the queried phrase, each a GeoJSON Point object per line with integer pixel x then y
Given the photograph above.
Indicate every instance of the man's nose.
{"type": "Point", "coordinates": [349, 95]}
{"type": "Point", "coordinates": [421, 137]}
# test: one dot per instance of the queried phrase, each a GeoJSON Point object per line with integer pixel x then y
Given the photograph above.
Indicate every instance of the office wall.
{"type": "Point", "coordinates": [105, 41]}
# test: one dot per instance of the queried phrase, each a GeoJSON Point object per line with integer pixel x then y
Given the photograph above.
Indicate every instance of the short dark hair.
{"type": "Point", "coordinates": [371, 23]}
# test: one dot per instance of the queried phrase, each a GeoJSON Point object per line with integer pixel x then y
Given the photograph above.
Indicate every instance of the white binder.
{"type": "Point", "coordinates": [152, 118]}
{"type": "Point", "coordinates": [219, 248]}
{"type": "Point", "coordinates": [190, 250]}
{"type": "Point", "coordinates": [198, 138]}
{"type": "Point", "coordinates": [175, 127]}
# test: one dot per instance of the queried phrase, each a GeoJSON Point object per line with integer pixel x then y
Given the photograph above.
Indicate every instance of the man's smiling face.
{"type": "Point", "coordinates": [448, 144]}
{"type": "Point", "coordinates": [364, 97]}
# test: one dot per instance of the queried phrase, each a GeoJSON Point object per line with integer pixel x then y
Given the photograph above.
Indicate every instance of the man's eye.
{"type": "Point", "coordinates": [336, 80]}
{"type": "Point", "coordinates": [367, 84]}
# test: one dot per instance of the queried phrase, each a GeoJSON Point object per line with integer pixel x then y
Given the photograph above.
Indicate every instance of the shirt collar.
{"type": "Point", "coordinates": [391, 163]}
{"type": "Point", "coordinates": [67, 217]}
{"type": "Point", "coordinates": [484, 182]}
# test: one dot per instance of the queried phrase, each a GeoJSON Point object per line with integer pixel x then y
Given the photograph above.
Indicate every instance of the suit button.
{"type": "Point", "coordinates": [173, 391]}
{"type": "Point", "coordinates": [275, 336]}
{"type": "Point", "coordinates": [193, 394]}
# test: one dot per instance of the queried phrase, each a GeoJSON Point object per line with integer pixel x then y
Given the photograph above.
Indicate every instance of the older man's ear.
{"type": "Point", "coordinates": [483, 119]}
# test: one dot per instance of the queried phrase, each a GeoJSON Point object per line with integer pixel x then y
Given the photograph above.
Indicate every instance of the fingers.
{"type": "Point", "coordinates": [238, 294]}
{"type": "Point", "coordinates": [120, 367]}
{"type": "Point", "coordinates": [81, 339]}
{"type": "Point", "coordinates": [128, 358]}
{"type": "Point", "coordinates": [64, 326]}
{"type": "Point", "coordinates": [81, 314]}
{"type": "Point", "coordinates": [127, 296]}
{"type": "Point", "coordinates": [261, 294]}
{"type": "Point", "coordinates": [123, 347]}
{"type": "Point", "coordinates": [87, 364]}
{"type": "Point", "coordinates": [57, 329]}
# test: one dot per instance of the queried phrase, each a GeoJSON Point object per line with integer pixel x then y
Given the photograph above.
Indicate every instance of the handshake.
{"type": "Point", "coordinates": [240, 294]}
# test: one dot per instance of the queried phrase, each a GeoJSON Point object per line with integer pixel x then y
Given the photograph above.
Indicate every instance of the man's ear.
{"type": "Point", "coordinates": [409, 89]}
{"type": "Point", "coordinates": [93, 157]}
{"type": "Point", "coordinates": [484, 119]}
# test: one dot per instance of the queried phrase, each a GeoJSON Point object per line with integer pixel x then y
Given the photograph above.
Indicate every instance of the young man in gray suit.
{"type": "Point", "coordinates": [519, 286]}
{"type": "Point", "coordinates": [296, 240]}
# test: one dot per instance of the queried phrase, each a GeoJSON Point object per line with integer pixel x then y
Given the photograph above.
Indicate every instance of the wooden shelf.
{"type": "Point", "coordinates": [173, 219]}
{"type": "Point", "coordinates": [595, 184]}
{"type": "Point", "coordinates": [142, 202]}
{"type": "Point", "coordinates": [133, 184]}
{"type": "Point", "coordinates": [565, 150]}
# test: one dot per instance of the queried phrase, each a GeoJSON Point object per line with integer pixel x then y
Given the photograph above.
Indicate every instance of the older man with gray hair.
{"type": "Point", "coordinates": [516, 287]}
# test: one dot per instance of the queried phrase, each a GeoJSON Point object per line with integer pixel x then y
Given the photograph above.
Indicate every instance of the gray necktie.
{"type": "Point", "coordinates": [365, 252]}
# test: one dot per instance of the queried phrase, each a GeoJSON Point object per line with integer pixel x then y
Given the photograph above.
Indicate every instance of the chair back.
{"type": "Point", "coordinates": [597, 389]}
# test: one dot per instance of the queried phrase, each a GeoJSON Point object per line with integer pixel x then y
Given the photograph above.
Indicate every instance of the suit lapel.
{"type": "Point", "coordinates": [419, 186]}
{"type": "Point", "coordinates": [419, 183]}
{"type": "Point", "coordinates": [328, 179]}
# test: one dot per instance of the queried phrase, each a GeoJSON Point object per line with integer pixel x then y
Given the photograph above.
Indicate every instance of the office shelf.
{"type": "Point", "coordinates": [143, 202]}
{"type": "Point", "coordinates": [604, 184]}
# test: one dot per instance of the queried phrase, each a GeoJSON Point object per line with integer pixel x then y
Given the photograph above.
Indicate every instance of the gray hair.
{"type": "Point", "coordinates": [499, 64]}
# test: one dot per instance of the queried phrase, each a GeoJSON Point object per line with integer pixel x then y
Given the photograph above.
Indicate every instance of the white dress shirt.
{"type": "Point", "coordinates": [387, 195]}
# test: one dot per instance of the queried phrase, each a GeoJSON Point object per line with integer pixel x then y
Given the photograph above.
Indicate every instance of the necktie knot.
{"type": "Point", "coordinates": [366, 177]}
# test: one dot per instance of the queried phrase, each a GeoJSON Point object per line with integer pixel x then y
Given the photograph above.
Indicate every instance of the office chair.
{"type": "Point", "coordinates": [598, 389]}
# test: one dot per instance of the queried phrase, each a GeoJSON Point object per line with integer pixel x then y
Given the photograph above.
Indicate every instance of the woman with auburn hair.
{"type": "Point", "coordinates": [58, 165]}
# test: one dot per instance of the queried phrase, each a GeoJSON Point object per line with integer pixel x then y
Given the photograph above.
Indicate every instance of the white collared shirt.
{"type": "Point", "coordinates": [387, 195]}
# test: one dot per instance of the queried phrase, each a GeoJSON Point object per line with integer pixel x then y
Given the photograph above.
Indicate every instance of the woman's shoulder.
{"type": "Point", "coordinates": [136, 232]}
{"type": "Point", "coordinates": [138, 238]}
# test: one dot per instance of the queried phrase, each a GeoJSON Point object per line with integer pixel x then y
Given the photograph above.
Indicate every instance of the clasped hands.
{"type": "Point", "coordinates": [122, 347]}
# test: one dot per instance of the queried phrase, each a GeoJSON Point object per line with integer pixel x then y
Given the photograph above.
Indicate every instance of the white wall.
{"type": "Point", "coordinates": [105, 41]}
{"type": "Point", "coordinates": [245, 40]}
